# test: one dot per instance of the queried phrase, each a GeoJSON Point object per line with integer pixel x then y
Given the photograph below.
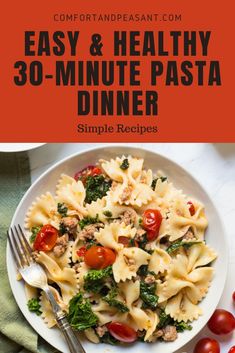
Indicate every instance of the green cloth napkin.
{"type": "Point", "coordinates": [16, 335]}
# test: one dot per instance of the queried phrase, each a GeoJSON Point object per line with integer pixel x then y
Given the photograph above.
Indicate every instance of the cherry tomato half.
{"type": "Point", "coordinates": [122, 332]}
{"type": "Point", "coordinates": [232, 350]}
{"type": "Point", "coordinates": [81, 252]}
{"type": "Point", "coordinates": [207, 345]}
{"type": "Point", "coordinates": [152, 220]}
{"type": "Point", "coordinates": [91, 170]}
{"type": "Point", "coordinates": [99, 257]}
{"type": "Point", "coordinates": [126, 241]}
{"type": "Point", "coordinates": [221, 322]}
{"type": "Point", "coordinates": [191, 208]}
{"type": "Point", "coordinates": [46, 238]}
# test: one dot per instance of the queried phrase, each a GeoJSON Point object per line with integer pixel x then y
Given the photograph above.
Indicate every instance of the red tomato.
{"type": "Point", "coordinates": [81, 251]}
{"type": "Point", "coordinates": [221, 322]}
{"type": "Point", "coordinates": [152, 220]}
{"type": "Point", "coordinates": [234, 297]}
{"type": "Point", "coordinates": [191, 208]}
{"type": "Point", "coordinates": [91, 170]}
{"type": "Point", "coordinates": [46, 238]}
{"type": "Point", "coordinates": [207, 345]}
{"type": "Point", "coordinates": [122, 332]}
{"type": "Point", "coordinates": [99, 257]}
{"type": "Point", "coordinates": [126, 241]}
{"type": "Point", "coordinates": [232, 350]}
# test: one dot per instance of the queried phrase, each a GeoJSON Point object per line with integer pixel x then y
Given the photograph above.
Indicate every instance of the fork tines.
{"type": "Point", "coordinates": [20, 247]}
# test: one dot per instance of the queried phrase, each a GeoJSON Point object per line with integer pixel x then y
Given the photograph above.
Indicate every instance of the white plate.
{"type": "Point", "coordinates": [17, 147]}
{"type": "Point", "coordinates": [215, 237]}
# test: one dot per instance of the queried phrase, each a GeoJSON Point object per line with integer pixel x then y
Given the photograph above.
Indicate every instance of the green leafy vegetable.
{"type": "Point", "coordinates": [144, 240]}
{"type": "Point", "coordinates": [176, 245]}
{"type": "Point", "coordinates": [143, 271]}
{"type": "Point", "coordinates": [62, 209]}
{"type": "Point", "coordinates": [109, 339]}
{"type": "Point", "coordinates": [164, 320]}
{"type": "Point", "coordinates": [96, 187]}
{"type": "Point", "coordinates": [110, 298]}
{"type": "Point", "coordinates": [125, 164]}
{"type": "Point", "coordinates": [108, 214]}
{"type": "Point", "coordinates": [80, 315]}
{"type": "Point", "coordinates": [167, 320]}
{"type": "Point", "coordinates": [62, 228]}
{"type": "Point", "coordinates": [34, 231]}
{"type": "Point", "coordinates": [182, 326]}
{"type": "Point", "coordinates": [34, 306]}
{"type": "Point", "coordinates": [154, 182]}
{"type": "Point", "coordinates": [147, 294]}
{"type": "Point", "coordinates": [88, 220]}
{"type": "Point", "coordinates": [94, 281]}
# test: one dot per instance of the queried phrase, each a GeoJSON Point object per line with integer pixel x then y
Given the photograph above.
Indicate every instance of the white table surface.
{"type": "Point", "coordinates": [214, 167]}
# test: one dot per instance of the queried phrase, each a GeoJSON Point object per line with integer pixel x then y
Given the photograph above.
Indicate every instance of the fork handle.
{"type": "Point", "coordinates": [70, 336]}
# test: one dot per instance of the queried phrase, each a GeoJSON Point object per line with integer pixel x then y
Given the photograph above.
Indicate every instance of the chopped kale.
{"type": "Point", "coordinates": [167, 320]}
{"type": "Point", "coordinates": [80, 314]}
{"type": "Point", "coordinates": [34, 231]}
{"type": "Point", "coordinates": [110, 298]}
{"type": "Point", "coordinates": [144, 240]}
{"type": "Point", "coordinates": [94, 281]}
{"type": "Point", "coordinates": [177, 244]}
{"type": "Point", "coordinates": [109, 339]}
{"type": "Point", "coordinates": [125, 164]}
{"type": "Point", "coordinates": [62, 228]}
{"type": "Point", "coordinates": [96, 187]}
{"type": "Point", "coordinates": [34, 306]}
{"type": "Point", "coordinates": [62, 209]}
{"type": "Point", "coordinates": [164, 320]}
{"type": "Point", "coordinates": [182, 326]}
{"type": "Point", "coordinates": [88, 220]}
{"type": "Point", "coordinates": [108, 214]}
{"type": "Point", "coordinates": [147, 294]}
{"type": "Point", "coordinates": [154, 182]}
{"type": "Point", "coordinates": [143, 271]}
{"type": "Point", "coordinates": [140, 221]}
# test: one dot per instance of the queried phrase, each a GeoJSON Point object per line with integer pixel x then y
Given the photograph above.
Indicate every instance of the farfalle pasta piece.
{"type": "Point", "coordinates": [63, 181]}
{"type": "Point", "coordinates": [184, 278]}
{"type": "Point", "coordinates": [73, 195]}
{"type": "Point", "coordinates": [135, 195]}
{"type": "Point", "coordinates": [130, 188]}
{"type": "Point", "coordinates": [47, 313]}
{"type": "Point", "coordinates": [66, 278]}
{"type": "Point", "coordinates": [136, 317]}
{"type": "Point", "coordinates": [180, 308]}
{"type": "Point", "coordinates": [127, 263]}
{"type": "Point", "coordinates": [159, 261]}
{"type": "Point", "coordinates": [82, 270]}
{"type": "Point", "coordinates": [106, 204]}
{"type": "Point", "coordinates": [200, 255]}
{"type": "Point", "coordinates": [180, 220]}
{"type": "Point", "coordinates": [42, 211]}
{"type": "Point", "coordinates": [108, 236]}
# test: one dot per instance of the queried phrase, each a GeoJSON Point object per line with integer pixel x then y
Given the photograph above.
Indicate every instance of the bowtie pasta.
{"type": "Point", "coordinates": [124, 252]}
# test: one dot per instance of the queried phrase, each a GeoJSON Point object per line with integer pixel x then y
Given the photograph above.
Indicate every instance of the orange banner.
{"type": "Point", "coordinates": [116, 71]}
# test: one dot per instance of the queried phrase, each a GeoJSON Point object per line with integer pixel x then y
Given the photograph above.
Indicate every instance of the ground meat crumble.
{"type": "Point", "coordinates": [61, 245]}
{"type": "Point", "coordinates": [88, 231]}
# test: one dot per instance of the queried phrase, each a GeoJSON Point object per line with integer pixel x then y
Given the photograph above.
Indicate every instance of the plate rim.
{"type": "Point", "coordinates": [117, 146]}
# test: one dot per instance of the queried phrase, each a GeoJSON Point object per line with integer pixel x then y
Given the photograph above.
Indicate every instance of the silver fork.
{"type": "Point", "coordinates": [35, 276]}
